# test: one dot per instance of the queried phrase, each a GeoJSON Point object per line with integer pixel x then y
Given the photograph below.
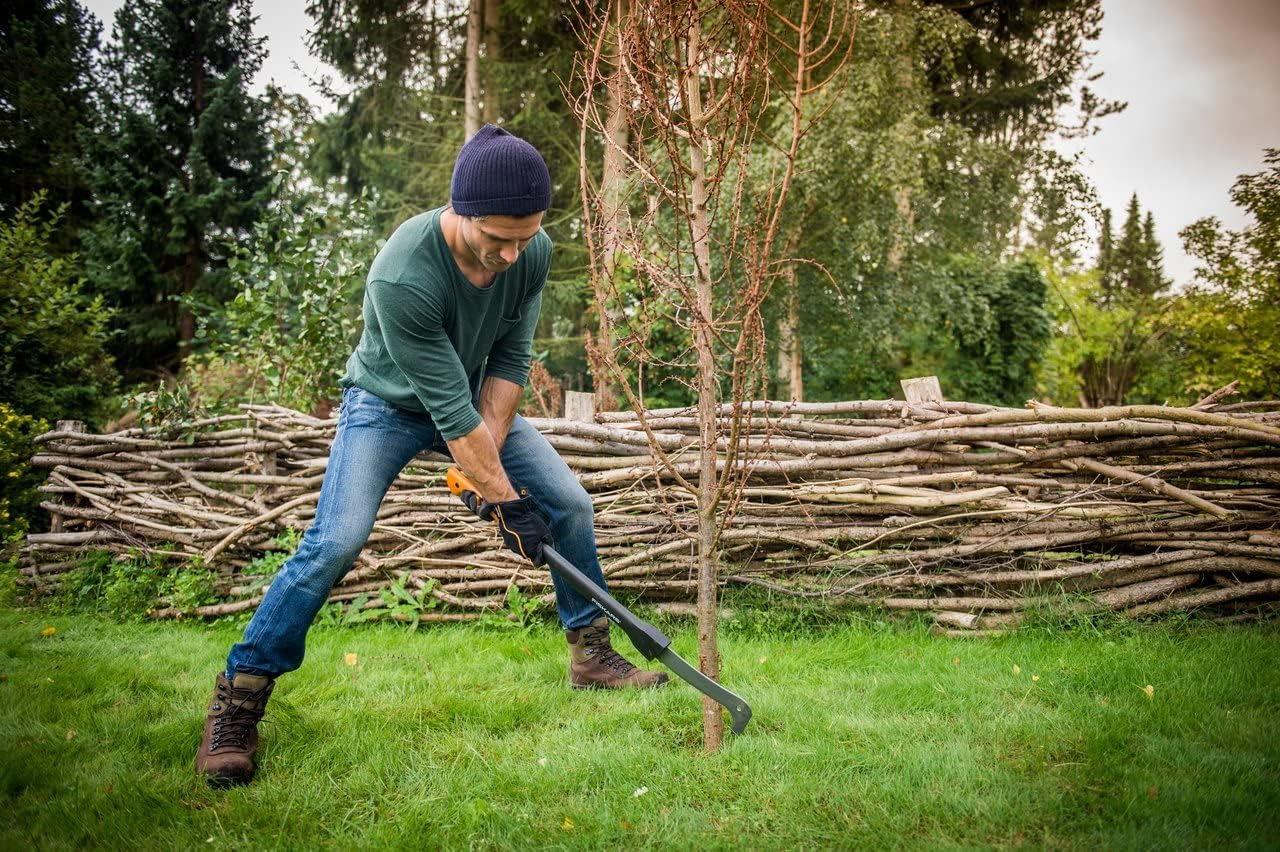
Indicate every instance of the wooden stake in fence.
{"type": "Point", "coordinates": [580, 406]}
{"type": "Point", "coordinates": [922, 390]}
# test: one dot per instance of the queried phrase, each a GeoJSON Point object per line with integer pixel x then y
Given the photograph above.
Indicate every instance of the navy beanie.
{"type": "Point", "coordinates": [499, 174]}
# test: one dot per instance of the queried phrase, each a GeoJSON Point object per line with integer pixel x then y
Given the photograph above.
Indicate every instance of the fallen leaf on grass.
{"type": "Point", "coordinates": [955, 661]}
{"type": "Point", "coordinates": [763, 660]}
{"type": "Point", "coordinates": [48, 631]}
{"type": "Point", "coordinates": [1149, 691]}
{"type": "Point", "coordinates": [351, 659]}
{"type": "Point", "coordinates": [625, 826]}
{"type": "Point", "coordinates": [568, 824]}
{"type": "Point", "coordinates": [1017, 670]}
{"type": "Point", "coordinates": [542, 761]}
{"type": "Point", "coordinates": [640, 791]}
{"type": "Point", "coordinates": [71, 734]}
{"type": "Point", "coordinates": [1035, 678]}
{"type": "Point", "coordinates": [1151, 792]}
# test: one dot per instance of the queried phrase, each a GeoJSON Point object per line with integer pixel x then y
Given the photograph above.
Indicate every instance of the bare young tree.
{"type": "Point", "coordinates": [716, 98]}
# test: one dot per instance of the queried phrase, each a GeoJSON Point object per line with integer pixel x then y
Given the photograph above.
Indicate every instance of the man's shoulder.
{"type": "Point", "coordinates": [538, 253]}
{"type": "Point", "coordinates": [541, 242]}
{"type": "Point", "coordinates": [411, 254]}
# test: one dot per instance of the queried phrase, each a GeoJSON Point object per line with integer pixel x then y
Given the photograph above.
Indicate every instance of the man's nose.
{"type": "Point", "coordinates": [510, 252]}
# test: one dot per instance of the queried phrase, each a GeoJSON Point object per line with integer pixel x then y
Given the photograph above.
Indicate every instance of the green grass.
{"type": "Point", "coordinates": [864, 736]}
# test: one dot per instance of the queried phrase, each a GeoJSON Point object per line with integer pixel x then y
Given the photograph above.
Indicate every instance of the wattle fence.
{"type": "Point", "coordinates": [976, 514]}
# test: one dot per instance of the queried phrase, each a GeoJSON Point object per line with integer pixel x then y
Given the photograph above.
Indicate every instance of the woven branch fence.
{"type": "Point", "coordinates": [978, 515]}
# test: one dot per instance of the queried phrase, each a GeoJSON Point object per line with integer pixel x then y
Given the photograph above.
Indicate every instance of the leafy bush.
{"type": "Point", "coordinates": [130, 589]}
{"type": "Point", "coordinates": [19, 500]}
{"type": "Point", "coordinates": [53, 358]}
{"type": "Point", "coordinates": [286, 336]}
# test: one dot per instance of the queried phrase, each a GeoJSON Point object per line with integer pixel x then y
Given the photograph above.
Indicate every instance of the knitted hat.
{"type": "Point", "coordinates": [499, 174]}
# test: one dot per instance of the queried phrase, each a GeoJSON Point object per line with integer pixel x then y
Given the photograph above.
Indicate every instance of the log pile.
{"type": "Point", "coordinates": [978, 515]}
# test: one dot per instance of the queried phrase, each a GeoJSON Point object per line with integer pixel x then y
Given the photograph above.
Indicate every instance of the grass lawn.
{"type": "Point", "coordinates": [864, 736]}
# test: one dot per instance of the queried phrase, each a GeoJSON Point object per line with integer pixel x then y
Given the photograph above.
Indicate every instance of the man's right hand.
{"type": "Point", "coordinates": [523, 530]}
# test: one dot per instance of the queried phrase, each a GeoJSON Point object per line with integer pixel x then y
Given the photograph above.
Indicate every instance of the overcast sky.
{"type": "Point", "coordinates": [1202, 79]}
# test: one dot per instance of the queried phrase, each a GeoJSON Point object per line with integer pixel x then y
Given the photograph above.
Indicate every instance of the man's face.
{"type": "Point", "coordinates": [496, 241]}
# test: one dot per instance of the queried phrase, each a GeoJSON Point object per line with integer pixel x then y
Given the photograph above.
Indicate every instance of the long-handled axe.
{"type": "Point", "coordinates": [648, 639]}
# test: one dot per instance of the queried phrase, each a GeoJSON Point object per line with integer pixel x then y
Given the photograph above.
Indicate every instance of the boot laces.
{"type": "Point", "coordinates": [598, 646]}
{"type": "Point", "coordinates": [232, 728]}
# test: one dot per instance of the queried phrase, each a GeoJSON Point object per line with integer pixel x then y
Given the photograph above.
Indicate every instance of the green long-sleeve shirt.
{"type": "Point", "coordinates": [431, 336]}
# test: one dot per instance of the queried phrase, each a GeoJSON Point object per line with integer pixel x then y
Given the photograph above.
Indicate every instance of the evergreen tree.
{"type": "Point", "coordinates": [1106, 256]}
{"type": "Point", "coordinates": [1135, 266]}
{"type": "Point", "coordinates": [46, 56]}
{"type": "Point", "coordinates": [1118, 322]}
{"type": "Point", "coordinates": [182, 168]}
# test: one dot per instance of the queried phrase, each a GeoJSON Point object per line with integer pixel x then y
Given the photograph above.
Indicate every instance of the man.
{"type": "Point", "coordinates": [450, 306]}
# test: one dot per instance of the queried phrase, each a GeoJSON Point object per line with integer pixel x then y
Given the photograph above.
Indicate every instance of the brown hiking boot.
{"type": "Point", "coordinates": [231, 729]}
{"type": "Point", "coordinates": [593, 664]}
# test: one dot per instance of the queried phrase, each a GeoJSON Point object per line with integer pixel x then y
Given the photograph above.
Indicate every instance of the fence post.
{"type": "Point", "coordinates": [580, 406]}
{"type": "Point", "coordinates": [924, 389]}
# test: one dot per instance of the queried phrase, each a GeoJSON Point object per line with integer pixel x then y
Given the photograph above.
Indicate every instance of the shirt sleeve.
{"type": "Point", "coordinates": [412, 321]}
{"type": "Point", "coordinates": [511, 354]}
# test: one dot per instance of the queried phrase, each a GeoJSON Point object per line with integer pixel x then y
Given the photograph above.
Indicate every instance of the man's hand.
{"type": "Point", "coordinates": [523, 530]}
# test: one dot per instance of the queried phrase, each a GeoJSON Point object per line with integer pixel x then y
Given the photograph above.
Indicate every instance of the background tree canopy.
{"type": "Point", "coordinates": [163, 223]}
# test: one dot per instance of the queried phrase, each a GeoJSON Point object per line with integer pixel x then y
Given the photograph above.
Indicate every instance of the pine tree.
{"type": "Point", "coordinates": [182, 167]}
{"type": "Point", "coordinates": [1106, 257]}
{"type": "Point", "coordinates": [1136, 265]}
{"type": "Point", "coordinates": [1126, 307]}
{"type": "Point", "coordinates": [46, 56]}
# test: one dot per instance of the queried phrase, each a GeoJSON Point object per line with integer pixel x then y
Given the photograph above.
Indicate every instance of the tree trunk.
{"type": "Point", "coordinates": [613, 176]}
{"type": "Point", "coordinates": [492, 56]}
{"type": "Point", "coordinates": [902, 193]}
{"type": "Point", "coordinates": [471, 87]}
{"type": "Point", "coordinates": [790, 348]}
{"type": "Point", "coordinates": [708, 395]}
{"type": "Point", "coordinates": [191, 265]}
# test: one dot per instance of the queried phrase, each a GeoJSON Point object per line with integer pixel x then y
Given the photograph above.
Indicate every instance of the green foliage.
{"type": "Point", "coordinates": [8, 575]}
{"type": "Point", "coordinates": [46, 57]}
{"type": "Point", "coordinates": [990, 332]}
{"type": "Point", "coordinates": [181, 166]}
{"type": "Point", "coordinates": [1017, 70]}
{"type": "Point", "coordinates": [129, 589]}
{"type": "Point", "coordinates": [929, 169]}
{"type": "Point", "coordinates": [1110, 322]}
{"type": "Point", "coordinates": [1226, 327]}
{"type": "Point", "coordinates": [53, 335]}
{"type": "Point", "coordinates": [19, 501]}
{"type": "Point", "coordinates": [404, 605]}
{"type": "Point", "coordinates": [522, 609]}
{"type": "Point", "coordinates": [270, 562]}
{"type": "Point", "coordinates": [286, 335]}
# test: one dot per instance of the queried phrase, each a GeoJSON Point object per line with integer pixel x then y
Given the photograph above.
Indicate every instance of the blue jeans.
{"type": "Point", "coordinates": [374, 441]}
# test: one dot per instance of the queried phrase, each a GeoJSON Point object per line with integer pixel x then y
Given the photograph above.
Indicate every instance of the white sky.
{"type": "Point", "coordinates": [1202, 78]}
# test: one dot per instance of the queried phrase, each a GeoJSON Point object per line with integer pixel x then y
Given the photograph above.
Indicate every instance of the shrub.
{"type": "Point", "coordinates": [286, 335]}
{"type": "Point", "coordinates": [53, 357]}
{"type": "Point", "coordinates": [129, 589]}
{"type": "Point", "coordinates": [19, 501]}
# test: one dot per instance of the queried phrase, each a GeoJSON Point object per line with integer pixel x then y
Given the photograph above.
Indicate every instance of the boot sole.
{"type": "Point", "coordinates": [226, 782]}
{"type": "Point", "coordinates": [662, 682]}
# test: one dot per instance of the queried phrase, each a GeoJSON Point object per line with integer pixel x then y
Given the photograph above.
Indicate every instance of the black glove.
{"type": "Point", "coordinates": [523, 530]}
